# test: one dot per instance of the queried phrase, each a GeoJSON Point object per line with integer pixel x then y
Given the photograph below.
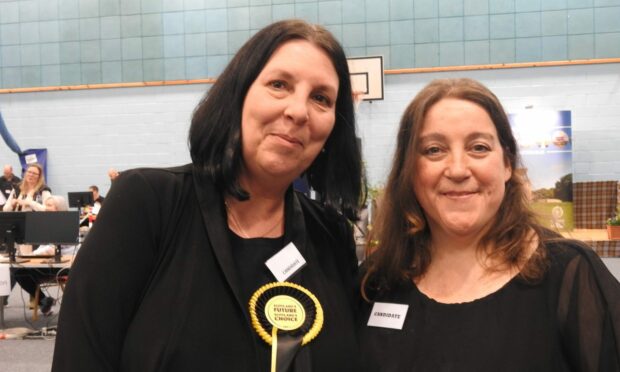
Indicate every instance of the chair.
{"type": "Point", "coordinates": [58, 280]}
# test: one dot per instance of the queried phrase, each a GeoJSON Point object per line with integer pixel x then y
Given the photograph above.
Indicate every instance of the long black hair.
{"type": "Point", "coordinates": [215, 132]}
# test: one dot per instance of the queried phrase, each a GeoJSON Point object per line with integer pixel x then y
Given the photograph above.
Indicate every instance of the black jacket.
{"type": "Point", "coordinates": [154, 287]}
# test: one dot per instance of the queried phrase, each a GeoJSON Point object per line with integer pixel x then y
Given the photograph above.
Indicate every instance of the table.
{"type": "Point", "coordinates": [597, 239]}
{"type": "Point", "coordinates": [35, 263]}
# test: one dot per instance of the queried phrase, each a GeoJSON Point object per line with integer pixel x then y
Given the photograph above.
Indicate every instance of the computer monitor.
{"type": "Point", "coordinates": [38, 228]}
{"type": "Point", "coordinates": [52, 227]}
{"type": "Point", "coordinates": [56, 228]}
{"type": "Point", "coordinates": [80, 199]}
{"type": "Point", "coordinates": [12, 230]}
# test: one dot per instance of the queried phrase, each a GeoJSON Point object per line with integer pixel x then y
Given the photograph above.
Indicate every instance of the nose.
{"type": "Point", "coordinates": [457, 168]}
{"type": "Point", "coordinates": [297, 108]}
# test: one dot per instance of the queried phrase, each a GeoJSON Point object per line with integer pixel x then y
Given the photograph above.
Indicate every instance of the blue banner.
{"type": "Point", "coordinates": [34, 156]}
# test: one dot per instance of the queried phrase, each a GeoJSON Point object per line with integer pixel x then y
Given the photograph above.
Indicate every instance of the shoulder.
{"type": "Point", "coordinates": [572, 259]}
{"type": "Point", "coordinates": [157, 174]}
{"type": "Point", "coordinates": [164, 184]}
{"type": "Point", "coordinates": [155, 177]}
{"type": "Point", "coordinates": [562, 251]}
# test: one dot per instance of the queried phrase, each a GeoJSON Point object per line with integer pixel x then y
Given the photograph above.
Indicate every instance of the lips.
{"type": "Point", "coordinates": [458, 194]}
{"type": "Point", "coordinates": [289, 139]}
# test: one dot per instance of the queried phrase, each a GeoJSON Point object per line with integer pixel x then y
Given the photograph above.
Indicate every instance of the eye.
{"type": "Point", "coordinates": [322, 99]}
{"type": "Point", "coordinates": [278, 84]}
{"type": "Point", "coordinates": [480, 148]}
{"type": "Point", "coordinates": [432, 151]}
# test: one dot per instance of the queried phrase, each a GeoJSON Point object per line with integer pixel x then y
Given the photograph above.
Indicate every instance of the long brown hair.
{"type": "Point", "coordinates": [398, 249]}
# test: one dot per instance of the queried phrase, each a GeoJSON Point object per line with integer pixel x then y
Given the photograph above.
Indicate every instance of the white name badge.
{"type": "Point", "coordinates": [386, 315]}
{"type": "Point", "coordinates": [286, 262]}
{"type": "Point", "coordinates": [5, 281]}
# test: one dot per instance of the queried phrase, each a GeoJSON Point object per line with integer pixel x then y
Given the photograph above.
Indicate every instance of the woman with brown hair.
{"type": "Point", "coordinates": [462, 277]}
{"type": "Point", "coordinates": [31, 193]}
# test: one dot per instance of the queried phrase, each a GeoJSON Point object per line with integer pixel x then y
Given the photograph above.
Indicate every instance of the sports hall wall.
{"type": "Point", "coordinates": [69, 43]}
{"type": "Point", "coordinates": [88, 131]}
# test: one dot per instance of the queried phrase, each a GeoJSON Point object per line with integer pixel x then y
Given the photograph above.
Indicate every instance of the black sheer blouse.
{"type": "Point", "coordinates": [568, 322]}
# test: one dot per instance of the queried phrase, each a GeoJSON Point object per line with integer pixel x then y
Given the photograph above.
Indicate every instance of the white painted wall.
{"type": "Point", "coordinates": [591, 92]}
{"type": "Point", "coordinates": [88, 131]}
{"type": "Point", "coordinates": [614, 265]}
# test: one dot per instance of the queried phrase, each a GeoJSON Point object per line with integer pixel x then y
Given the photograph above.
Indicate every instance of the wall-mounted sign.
{"type": "Point", "coordinates": [546, 143]}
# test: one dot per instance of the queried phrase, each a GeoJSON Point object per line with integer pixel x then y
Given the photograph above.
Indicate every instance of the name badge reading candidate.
{"type": "Point", "coordinates": [286, 316]}
{"type": "Point", "coordinates": [286, 262]}
{"type": "Point", "coordinates": [387, 315]}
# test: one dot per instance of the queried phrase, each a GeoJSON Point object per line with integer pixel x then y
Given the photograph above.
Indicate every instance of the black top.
{"type": "Point", "coordinates": [250, 256]}
{"type": "Point", "coordinates": [155, 286]}
{"type": "Point", "coordinates": [6, 186]}
{"type": "Point", "coordinates": [568, 322]}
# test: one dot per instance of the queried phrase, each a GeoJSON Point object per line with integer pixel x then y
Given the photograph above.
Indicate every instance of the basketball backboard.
{"type": "Point", "coordinates": [367, 77]}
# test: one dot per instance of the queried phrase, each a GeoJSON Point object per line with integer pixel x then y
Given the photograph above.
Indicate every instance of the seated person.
{"type": "Point", "coordinates": [8, 182]}
{"type": "Point", "coordinates": [97, 199]}
{"type": "Point", "coordinates": [29, 278]}
{"type": "Point", "coordinates": [31, 192]}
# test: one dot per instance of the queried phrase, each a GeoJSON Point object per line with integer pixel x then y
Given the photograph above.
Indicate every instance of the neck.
{"type": "Point", "coordinates": [263, 187]}
{"type": "Point", "coordinates": [461, 272]}
{"type": "Point", "coordinates": [258, 217]}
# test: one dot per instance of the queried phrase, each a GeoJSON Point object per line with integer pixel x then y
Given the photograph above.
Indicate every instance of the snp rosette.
{"type": "Point", "coordinates": [286, 316]}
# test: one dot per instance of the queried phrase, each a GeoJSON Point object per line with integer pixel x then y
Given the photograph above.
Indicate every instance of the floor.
{"type": "Point", "coordinates": [29, 351]}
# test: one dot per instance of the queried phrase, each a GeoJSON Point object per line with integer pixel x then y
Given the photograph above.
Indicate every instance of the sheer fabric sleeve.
{"type": "Point", "coordinates": [589, 314]}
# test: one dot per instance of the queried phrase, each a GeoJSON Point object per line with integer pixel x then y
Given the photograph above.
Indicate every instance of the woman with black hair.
{"type": "Point", "coordinates": [164, 278]}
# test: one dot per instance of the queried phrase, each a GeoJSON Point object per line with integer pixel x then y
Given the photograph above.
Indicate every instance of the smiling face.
{"type": "Point", "coordinates": [460, 168]}
{"type": "Point", "coordinates": [32, 175]}
{"type": "Point", "coordinates": [288, 113]}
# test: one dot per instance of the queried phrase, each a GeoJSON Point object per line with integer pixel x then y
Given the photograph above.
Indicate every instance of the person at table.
{"type": "Point", "coordinates": [187, 246]}
{"type": "Point", "coordinates": [462, 277]}
{"type": "Point", "coordinates": [8, 181]}
{"type": "Point", "coordinates": [31, 193]}
{"type": "Point", "coordinates": [30, 278]}
{"type": "Point", "coordinates": [97, 199]}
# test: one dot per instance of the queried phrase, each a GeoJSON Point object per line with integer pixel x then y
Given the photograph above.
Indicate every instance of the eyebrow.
{"type": "Point", "coordinates": [441, 137]}
{"type": "Point", "coordinates": [287, 75]}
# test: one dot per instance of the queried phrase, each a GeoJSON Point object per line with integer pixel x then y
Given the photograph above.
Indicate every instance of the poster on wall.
{"type": "Point", "coordinates": [545, 142]}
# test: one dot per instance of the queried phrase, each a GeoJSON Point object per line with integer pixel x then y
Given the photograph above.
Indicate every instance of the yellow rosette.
{"type": "Point", "coordinates": [286, 316]}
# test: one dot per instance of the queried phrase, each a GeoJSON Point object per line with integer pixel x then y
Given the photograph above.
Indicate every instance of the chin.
{"type": "Point", "coordinates": [464, 228]}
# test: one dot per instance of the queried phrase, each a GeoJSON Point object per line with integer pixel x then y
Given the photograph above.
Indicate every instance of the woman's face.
{"type": "Point", "coordinates": [461, 172]}
{"type": "Point", "coordinates": [288, 112]}
{"type": "Point", "coordinates": [32, 175]}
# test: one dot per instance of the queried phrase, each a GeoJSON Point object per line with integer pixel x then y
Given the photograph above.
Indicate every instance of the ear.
{"type": "Point", "coordinates": [507, 172]}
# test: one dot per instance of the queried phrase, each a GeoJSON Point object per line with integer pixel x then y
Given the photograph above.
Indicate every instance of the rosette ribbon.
{"type": "Point", "coordinates": [286, 316]}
